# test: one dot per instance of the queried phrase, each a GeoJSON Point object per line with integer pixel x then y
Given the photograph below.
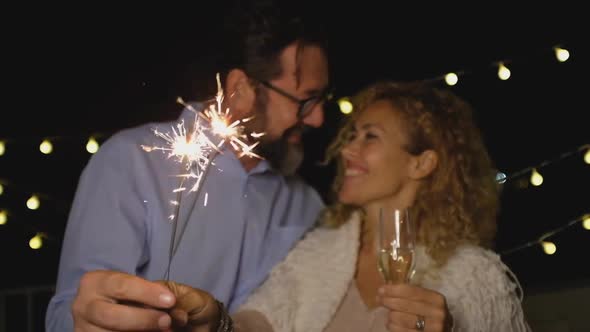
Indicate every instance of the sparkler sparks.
{"type": "Point", "coordinates": [196, 148]}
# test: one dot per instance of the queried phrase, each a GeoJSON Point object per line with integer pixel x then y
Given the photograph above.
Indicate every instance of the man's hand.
{"type": "Point", "coordinates": [195, 310]}
{"type": "Point", "coordinates": [114, 301]}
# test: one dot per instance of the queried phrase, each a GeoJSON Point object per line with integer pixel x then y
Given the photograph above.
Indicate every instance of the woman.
{"type": "Point", "coordinates": [406, 145]}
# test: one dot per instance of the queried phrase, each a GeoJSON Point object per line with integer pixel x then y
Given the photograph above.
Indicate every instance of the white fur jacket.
{"type": "Point", "coordinates": [304, 291]}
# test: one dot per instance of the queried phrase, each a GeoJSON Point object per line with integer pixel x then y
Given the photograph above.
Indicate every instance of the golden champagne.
{"type": "Point", "coordinates": [396, 265]}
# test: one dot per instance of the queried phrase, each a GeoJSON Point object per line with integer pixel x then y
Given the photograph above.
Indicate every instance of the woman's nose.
{"type": "Point", "coordinates": [350, 149]}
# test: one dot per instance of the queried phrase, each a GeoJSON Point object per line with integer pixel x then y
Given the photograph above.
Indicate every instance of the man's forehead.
{"type": "Point", "coordinates": [306, 64]}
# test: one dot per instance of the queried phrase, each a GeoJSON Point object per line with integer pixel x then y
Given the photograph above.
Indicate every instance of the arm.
{"type": "Point", "coordinates": [106, 230]}
{"type": "Point", "coordinates": [482, 293]}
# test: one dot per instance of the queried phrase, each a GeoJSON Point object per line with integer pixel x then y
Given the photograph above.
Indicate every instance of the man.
{"type": "Point", "coordinates": [118, 235]}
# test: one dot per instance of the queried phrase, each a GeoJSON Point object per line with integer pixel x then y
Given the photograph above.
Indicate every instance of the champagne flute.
{"type": "Point", "coordinates": [395, 245]}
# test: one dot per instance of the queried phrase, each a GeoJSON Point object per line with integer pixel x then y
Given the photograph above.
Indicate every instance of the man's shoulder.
{"type": "Point", "coordinates": [129, 143]}
{"type": "Point", "coordinates": [138, 135]}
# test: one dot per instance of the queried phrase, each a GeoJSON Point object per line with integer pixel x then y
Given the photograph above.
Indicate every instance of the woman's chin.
{"type": "Point", "coordinates": [349, 198]}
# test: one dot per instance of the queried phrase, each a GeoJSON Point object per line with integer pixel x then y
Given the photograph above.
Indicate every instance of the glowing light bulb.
{"type": "Point", "coordinates": [549, 247]}
{"type": "Point", "coordinates": [500, 177]}
{"type": "Point", "coordinates": [92, 145]}
{"type": "Point", "coordinates": [46, 147]}
{"type": "Point", "coordinates": [587, 157]}
{"type": "Point", "coordinates": [2, 148]}
{"type": "Point", "coordinates": [451, 79]}
{"type": "Point", "coordinates": [36, 241]}
{"type": "Point", "coordinates": [561, 54]}
{"type": "Point", "coordinates": [536, 178]}
{"type": "Point", "coordinates": [3, 217]}
{"type": "Point", "coordinates": [586, 222]}
{"type": "Point", "coordinates": [33, 202]}
{"type": "Point", "coordinates": [345, 105]}
{"type": "Point", "coordinates": [503, 72]}
{"type": "Point", "coordinates": [1, 189]}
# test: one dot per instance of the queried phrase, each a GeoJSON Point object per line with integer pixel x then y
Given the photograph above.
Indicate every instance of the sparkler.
{"type": "Point", "coordinates": [195, 150]}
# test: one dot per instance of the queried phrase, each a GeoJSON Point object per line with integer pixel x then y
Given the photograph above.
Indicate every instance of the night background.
{"type": "Point", "coordinates": [74, 73]}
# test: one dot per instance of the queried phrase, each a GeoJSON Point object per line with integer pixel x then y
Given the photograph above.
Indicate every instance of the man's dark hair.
{"type": "Point", "coordinates": [251, 38]}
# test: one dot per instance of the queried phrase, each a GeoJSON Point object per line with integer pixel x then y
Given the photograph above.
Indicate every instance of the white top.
{"type": "Point", "coordinates": [305, 291]}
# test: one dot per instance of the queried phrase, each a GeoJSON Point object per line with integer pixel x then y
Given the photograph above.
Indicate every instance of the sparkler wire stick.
{"type": "Point", "coordinates": [174, 226]}
{"type": "Point", "coordinates": [174, 242]}
{"type": "Point", "coordinates": [195, 150]}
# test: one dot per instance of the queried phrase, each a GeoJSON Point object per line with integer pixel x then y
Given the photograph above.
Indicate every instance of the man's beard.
{"type": "Point", "coordinates": [283, 156]}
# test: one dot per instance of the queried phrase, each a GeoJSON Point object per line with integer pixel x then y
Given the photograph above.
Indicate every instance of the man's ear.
{"type": "Point", "coordinates": [239, 93]}
{"type": "Point", "coordinates": [424, 164]}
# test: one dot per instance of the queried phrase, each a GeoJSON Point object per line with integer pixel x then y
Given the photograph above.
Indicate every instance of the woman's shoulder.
{"type": "Point", "coordinates": [481, 267]}
{"type": "Point", "coordinates": [469, 254]}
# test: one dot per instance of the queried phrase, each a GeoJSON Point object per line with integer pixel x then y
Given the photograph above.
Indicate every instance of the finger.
{"type": "Point", "coordinates": [413, 293]}
{"type": "Point", "coordinates": [408, 321]}
{"type": "Point", "coordinates": [179, 317]}
{"type": "Point", "coordinates": [118, 317]}
{"type": "Point", "coordinates": [413, 307]}
{"type": "Point", "coordinates": [121, 286]}
{"type": "Point", "coordinates": [193, 301]}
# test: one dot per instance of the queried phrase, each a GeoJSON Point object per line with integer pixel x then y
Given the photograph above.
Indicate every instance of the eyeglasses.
{"type": "Point", "coordinates": [305, 105]}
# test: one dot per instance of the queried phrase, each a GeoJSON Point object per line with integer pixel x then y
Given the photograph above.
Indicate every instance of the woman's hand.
{"type": "Point", "coordinates": [413, 308]}
{"type": "Point", "coordinates": [194, 311]}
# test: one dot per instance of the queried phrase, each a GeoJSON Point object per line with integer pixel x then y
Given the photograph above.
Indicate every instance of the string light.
{"type": "Point", "coordinates": [500, 177]}
{"type": "Point", "coordinates": [2, 148]}
{"type": "Point", "coordinates": [561, 54]}
{"type": "Point", "coordinates": [36, 242]}
{"type": "Point", "coordinates": [92, 145]}
{"type": "Point", "coordinates": [46, 147]}
{"type": "Point", "coordinates": [536, 178]}
{"type": "Point", "coordinates": [451, 79]}
{"type": "Point", "coordinates": [503, 71]}
{"type": "Point", "coordinates": [549, 247]}
{"type": "Point", "coordinates": [3, 217]}
{"type": "Point", "coordinates": [33, 202]}
{"type": "Point", "coordinates": [1, 189]}
{"type": "Point", "coordinates": [345, 105]}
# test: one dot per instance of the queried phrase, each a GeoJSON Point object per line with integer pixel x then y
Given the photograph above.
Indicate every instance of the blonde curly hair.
{"type": "Point", "coordinates": [459, 202]}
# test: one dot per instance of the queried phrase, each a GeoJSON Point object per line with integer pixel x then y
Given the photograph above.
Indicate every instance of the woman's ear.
{"type": "Point", "coordinates": [239, 94]}
{"type": "Point", "coordinates": [425, 164]}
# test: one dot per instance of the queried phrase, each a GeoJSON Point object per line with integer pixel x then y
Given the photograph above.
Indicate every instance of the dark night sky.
{"type": "Point", "coordinates": [95, 71]}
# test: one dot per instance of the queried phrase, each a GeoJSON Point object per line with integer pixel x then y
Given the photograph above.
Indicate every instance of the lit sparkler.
{"type": "Point", "coordinates": [195, 147]}
{"type": "Point", "coordinates": [196, 150]}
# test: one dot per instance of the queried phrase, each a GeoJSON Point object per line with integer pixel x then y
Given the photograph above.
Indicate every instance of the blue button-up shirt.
{"type": "Point", "coordinates": [238, 226]}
